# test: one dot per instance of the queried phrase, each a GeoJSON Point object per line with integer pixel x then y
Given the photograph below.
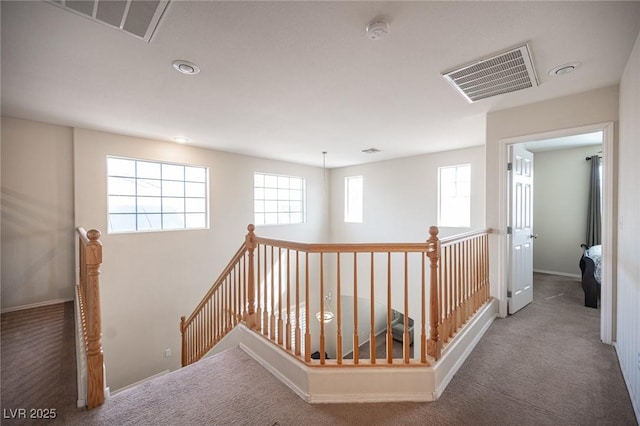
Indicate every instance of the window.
{"type": "Point", "coordinates": [353, 199]}
{"type": "Point", "coordinates": [152, 196]}
{"type": "Point", "coordinates": [454, 196]}
{"type": "Point", "coordinates": [278, 200]}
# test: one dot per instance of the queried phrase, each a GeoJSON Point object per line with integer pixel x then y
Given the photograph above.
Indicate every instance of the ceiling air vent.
{"type": "Point", "coordinates": [138, 18]}
{"type": "Point", "coordinates": [505, 72]}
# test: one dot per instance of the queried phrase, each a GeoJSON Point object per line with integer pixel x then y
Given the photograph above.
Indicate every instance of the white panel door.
{"type": "Point", "coordinates": [521, 223]}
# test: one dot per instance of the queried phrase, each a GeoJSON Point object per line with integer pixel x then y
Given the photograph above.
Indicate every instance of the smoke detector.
{"type": "Point", "coordinates": [185, 67]}
{"type": "Point", "coordinates": [377, 29]}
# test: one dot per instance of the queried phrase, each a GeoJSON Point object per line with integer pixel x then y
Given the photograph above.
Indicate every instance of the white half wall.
{"type": "Point", "coordinates": [561, 195]}
{"type": "Point", "coordinates": [37, 214]}
{"type": "Point", "coordinates": [150, 279]}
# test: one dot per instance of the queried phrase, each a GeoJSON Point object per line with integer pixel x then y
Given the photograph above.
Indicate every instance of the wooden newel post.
{"type": "Point", "coordinates": [251, 309]}
{"type": "Point", "coordinates": [95, 357]}
{"type": "Point", "coordinates": [434, 345]}
{"type": "Point", "coordinates": [184, 342]}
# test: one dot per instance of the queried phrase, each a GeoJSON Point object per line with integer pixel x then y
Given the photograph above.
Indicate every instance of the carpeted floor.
{"type": "Point", "coordinates": [544, 365]}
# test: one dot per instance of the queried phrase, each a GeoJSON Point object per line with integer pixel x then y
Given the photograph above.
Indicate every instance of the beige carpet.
{"type": "Point", "coordinates": [543, 366]}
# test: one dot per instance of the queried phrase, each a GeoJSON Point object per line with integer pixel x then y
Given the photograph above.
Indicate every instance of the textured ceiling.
{"type": "Point", "coordinates": [288, 80]}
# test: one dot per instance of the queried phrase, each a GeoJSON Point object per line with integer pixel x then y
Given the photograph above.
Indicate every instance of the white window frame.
{"type": "Point", "coordinates": [180, 203]}
{"type": "Point", "coordinates": [278, 199]}
{"type": "Point", "coordinates": [353, 209]}
{"type": "Point", "coordinates": [461, 197]}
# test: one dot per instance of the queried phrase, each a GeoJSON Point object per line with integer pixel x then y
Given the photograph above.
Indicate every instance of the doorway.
{"type": "Point", "coordinates": [607, 312]}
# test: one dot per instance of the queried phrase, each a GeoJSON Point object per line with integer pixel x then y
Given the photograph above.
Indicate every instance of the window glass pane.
{"type": "Point", "coordinates": [148, 170]}
{"type": "Point", "coordinates": [120, 167]}
{"type": "Point", "coordinates": [353, 199]}
{"type": "Point", "coordinates": [259, 219]}
{"type": "Point", "coordinates": [296, 183]}
{"type": "Point", "coordinates": [122, 186]}
{"type": "Point", "coordinates": [196, 220]}
{"type": "Point", "coordinates": [297, 218]}
{"type": "Point", "coordinates": [258, 180]}
{"type": "Point", "coordinates": [195, 174]}
{"type": "Point", "coordinates": [172, 172]}
{"type": "Point", "coordinates": [295, 206]}
{"type": "Point", "coordinates": [149, 222]}
{"type": "Point", "coordinates": [122, 222]}
{"type": "Point", "coordinates": [170, 205]}
{"type": "Point", "coordinates": [271, 218]}
{"type": "Point", "coordinates": [258, 193]}
{"type": "Point", "coordinates": [172, 221]}
{"type": "Point", "coordinates": [448, 174]}
{"type": "Point", "coordinates": [193, 189]}
{"type": "Point", "coordinates": [172, 189]}
{"type": "Point", "coordinates": [283, 182]}
{"type": "Point", "coordinates": [283, 218]}
{"type": "Point", "coordinates": [271, 181]}
{"type": "Point", "coordinates": [283, 206]}
{"type": "Point", "coordinates": [258, 207]}
{"type": "Point", "coordinates": [195, 205]}
{"type": "Point", "coordinates": [295, 195]}
{"type": "Point", "coordinates": [146, 187]}
{"type": "Point", "coordinates": [464, 174]}
{"type": "Point", "coordinates": [283, 194]}
{"type": "Point", "coordinates": [270, 194]}
{"type": "Point", "coordinates": [122, 204]}
{"type": "Point", "coordinates": [149, 205]}
{"type": "Point", "coordinates": [270, 206]}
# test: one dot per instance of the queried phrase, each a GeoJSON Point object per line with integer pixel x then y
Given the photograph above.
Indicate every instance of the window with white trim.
{"type": "Point", "coordinates": [353, 199]}
{"type": "Point", "coordinates": [454, 196]}
{"type": "Point", "coordinates": [153, 196]}
{"type": "Point", "coordinates": [278, 199]}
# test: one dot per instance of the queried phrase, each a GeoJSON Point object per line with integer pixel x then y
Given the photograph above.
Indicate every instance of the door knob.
{"type": "Point", "coordinates": [533, 236]}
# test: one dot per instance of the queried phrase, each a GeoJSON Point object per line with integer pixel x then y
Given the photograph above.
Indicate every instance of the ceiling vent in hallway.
{"type": "Point", "coordinates": [505, 72]}
{"type": "Point", "coordinates": [138, 18]}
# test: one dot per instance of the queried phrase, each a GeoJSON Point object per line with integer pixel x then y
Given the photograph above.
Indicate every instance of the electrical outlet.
{"type": "Point", "coordinates": [167, 352]}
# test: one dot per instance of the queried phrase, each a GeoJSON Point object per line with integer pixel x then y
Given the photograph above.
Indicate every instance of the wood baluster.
{"type": "Point", "coordinates": [298, 328]}
{"type": "Point", "coordinates": [288, 327]}
{"type": "Point", "coordinates": [405, 337]}
{"type": "Point", "coordinates": [280, 323]}
{"type": "Point", "coordinates": [322, 337]}
{"type": "Point", "coordinates": [265, 304]}
{"type": "Point", "coordinates": [183, 346]}
{"type": "Point", "coordinates": [339, 311]}
{"type": "Point", "coordinates": [389, 313]}
{"type": "Point", "coordinates": [272, 317]}
{"type": "Point", "coordinates": [423, 307]}
{"type": "Point", "coordinates": [372, 311]}
{"type": "Point", "coordinates": [356, 344]}
{"type": "Point", "coordinates": [435, 344]}
{"type": "Point", "coordinates": [307, 334]}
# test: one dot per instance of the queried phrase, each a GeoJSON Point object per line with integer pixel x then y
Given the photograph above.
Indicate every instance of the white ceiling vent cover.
{"type": "Point", "coordinates": [138, 18]}
{"type": "Point", "coordinates": [505, 72]}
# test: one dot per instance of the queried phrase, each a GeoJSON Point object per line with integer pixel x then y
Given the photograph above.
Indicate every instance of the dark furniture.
{"type": "Point", "coordinates": [590, 267]}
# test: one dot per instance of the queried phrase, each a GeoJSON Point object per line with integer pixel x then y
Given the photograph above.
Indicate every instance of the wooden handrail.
{"type": "Point", "coordinates": [90, 259]}
{"type": "Point", "coordinates": [256, 286]}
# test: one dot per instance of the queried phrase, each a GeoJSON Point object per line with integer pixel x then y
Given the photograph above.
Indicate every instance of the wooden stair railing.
{"type": "Point", "coordinates": [274, 286]}
{"type": "Point", "coordinates": [88, 290]}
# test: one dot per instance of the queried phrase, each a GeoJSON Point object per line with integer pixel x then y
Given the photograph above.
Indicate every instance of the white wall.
{"type": "Point", "coordinates": [583, 109]}
{"type": "Point", "coordinates": [628, 296]}
{"type": "Point", "coordinates": [37, 213]}
{"type": "Point", "coordinates": [401, 197]}
{"type": "Point", "coordinates": [150, 279]}
{"type": "Point", "coordinates": [561, 195]}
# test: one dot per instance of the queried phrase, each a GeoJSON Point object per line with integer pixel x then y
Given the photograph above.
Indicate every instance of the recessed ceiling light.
{"type": "Point", "coordinates": [371, 151]}
{"type": "Point", "coordinates": [185, 67]}
{"type": "Point", "coordinates": [564, 69]}
{"type": "Point", "coordinates": [180, 139]}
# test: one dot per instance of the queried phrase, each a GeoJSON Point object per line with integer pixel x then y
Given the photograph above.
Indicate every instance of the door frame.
{"type": "Point", "coordinates": [607, 300]}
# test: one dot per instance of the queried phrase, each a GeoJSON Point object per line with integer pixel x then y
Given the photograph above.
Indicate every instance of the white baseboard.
{"type": "Point", "coordinates": [562, 274]}
{"type": "Point", "coordinates": [35, 305]}
{"type": "Point", "coordinates": [108, 392]}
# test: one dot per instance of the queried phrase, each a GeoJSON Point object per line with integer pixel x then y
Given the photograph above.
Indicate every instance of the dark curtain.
{"type": "Point", "coordinates": [594, 216]}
